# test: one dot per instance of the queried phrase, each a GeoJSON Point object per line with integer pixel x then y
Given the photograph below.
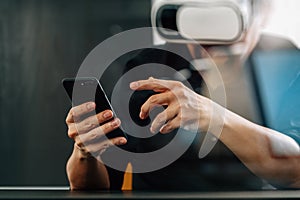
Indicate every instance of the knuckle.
{"type": "Point", "coordinates": [71, 110]}
{"type": "Point", "coordinates": [67, 121]}
{"type": "Point", "coordinates": [101, 130]}
{"type": "Point", "coordinates": [72, 134]}
{"type": "Point", "coordinates": [69, 117]}
{"type": "Point", "coordinates": [88, 125]}
{"type": "Point", "coordinates": [177, 84]}
{"type": "Point", "coordinates": [180, 84]}
{"type": "Point", "coordinates": [74, 114]}
{"type": "Point", "coordinates": [160, 119]}
{"type": "Point", "coordinates": [180, 93]}
{"type": "Point", "coordinates": [151, 79]}
{"type": "Point", "coordinates": [93, 135]}
{"type": "Point", "coordinates": [153, 99]}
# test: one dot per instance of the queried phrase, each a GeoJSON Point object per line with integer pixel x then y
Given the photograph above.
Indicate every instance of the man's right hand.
{"type": "Point", "coordinates": [87, 132]}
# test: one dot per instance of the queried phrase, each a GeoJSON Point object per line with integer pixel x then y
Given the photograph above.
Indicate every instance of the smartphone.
{"type": "Point", "coordinates": [89, 89]}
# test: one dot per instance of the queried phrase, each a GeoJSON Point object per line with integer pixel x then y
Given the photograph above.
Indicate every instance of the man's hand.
{"type": "Point", "coordinates": [185, 108]}
{"type": "Point", "coordinates": [87, 133]}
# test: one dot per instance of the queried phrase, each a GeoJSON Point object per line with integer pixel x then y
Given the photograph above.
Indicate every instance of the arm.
{"type": "Point", "coordinates": [83, 169]}
{"type": "Point", "coordinates": [86, 172]}
{"type": "Point", "coordinates": [267, 153]}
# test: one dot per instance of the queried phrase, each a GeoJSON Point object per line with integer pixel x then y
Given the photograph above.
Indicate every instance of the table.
{"type": "Point", "coordinates": [65, 193]}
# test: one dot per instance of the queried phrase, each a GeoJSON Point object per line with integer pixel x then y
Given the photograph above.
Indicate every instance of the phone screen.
{"type": "Point", "coordinates": [90, 90]}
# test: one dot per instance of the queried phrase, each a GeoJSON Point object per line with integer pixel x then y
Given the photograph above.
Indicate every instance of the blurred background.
{"type": "Point", "coordinates": [43, 41]}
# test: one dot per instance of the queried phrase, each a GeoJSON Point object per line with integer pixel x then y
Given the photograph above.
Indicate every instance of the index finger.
{"type": "Point", "coordinates": [80, 110]}
{"type": "Point", "coordinates": [157, 85]}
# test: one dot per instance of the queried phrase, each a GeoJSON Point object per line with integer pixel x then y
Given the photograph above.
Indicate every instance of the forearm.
{"type": "Point", "coordinates": [267, 153]}
{"type": "Point", "coordinates": [85, 172]}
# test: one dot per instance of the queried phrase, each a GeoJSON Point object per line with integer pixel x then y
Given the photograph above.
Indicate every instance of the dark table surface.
{"type": "Point", "coordinates": [65, 193]}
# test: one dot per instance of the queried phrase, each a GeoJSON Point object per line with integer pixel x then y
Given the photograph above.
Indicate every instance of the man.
{"type": "Point", "coordinates": [245, 153]}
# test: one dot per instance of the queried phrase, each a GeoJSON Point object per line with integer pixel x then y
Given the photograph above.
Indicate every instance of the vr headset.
{"type": "Point", "coordinates": [201, 21]}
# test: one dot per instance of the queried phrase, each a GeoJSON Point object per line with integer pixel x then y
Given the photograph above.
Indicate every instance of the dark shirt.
{"type": "Point", "coordinates": [220, 170]}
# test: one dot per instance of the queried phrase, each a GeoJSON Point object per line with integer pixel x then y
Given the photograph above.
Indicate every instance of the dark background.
{"type": "Point", "coordinates": [41, 42]}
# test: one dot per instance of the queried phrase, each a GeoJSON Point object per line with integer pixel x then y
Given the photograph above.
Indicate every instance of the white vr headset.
{"type": "Point", "coordinates": [202, 21]}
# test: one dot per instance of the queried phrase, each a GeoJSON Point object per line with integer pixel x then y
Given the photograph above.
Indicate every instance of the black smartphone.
{"type": "Point", "coordinates": [89, 89]}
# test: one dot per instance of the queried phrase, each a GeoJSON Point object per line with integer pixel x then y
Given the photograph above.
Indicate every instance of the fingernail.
{"type": "Point", "coordinates": [115, 123]}
{"type": "Point", "coordinates": [90, 106]}
{"type": "Point", "coordinates": [107, 114]}
{"type": "Point", "coordinates": [142, 116]}
{"type": "Point", "coordinates": [122, 141]}
{"type": "Point", "coordinates": [134, 85]}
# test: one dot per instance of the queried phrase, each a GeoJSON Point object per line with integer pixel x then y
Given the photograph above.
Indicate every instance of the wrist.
{"type": "Point", "coordinates": [215, 119]}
